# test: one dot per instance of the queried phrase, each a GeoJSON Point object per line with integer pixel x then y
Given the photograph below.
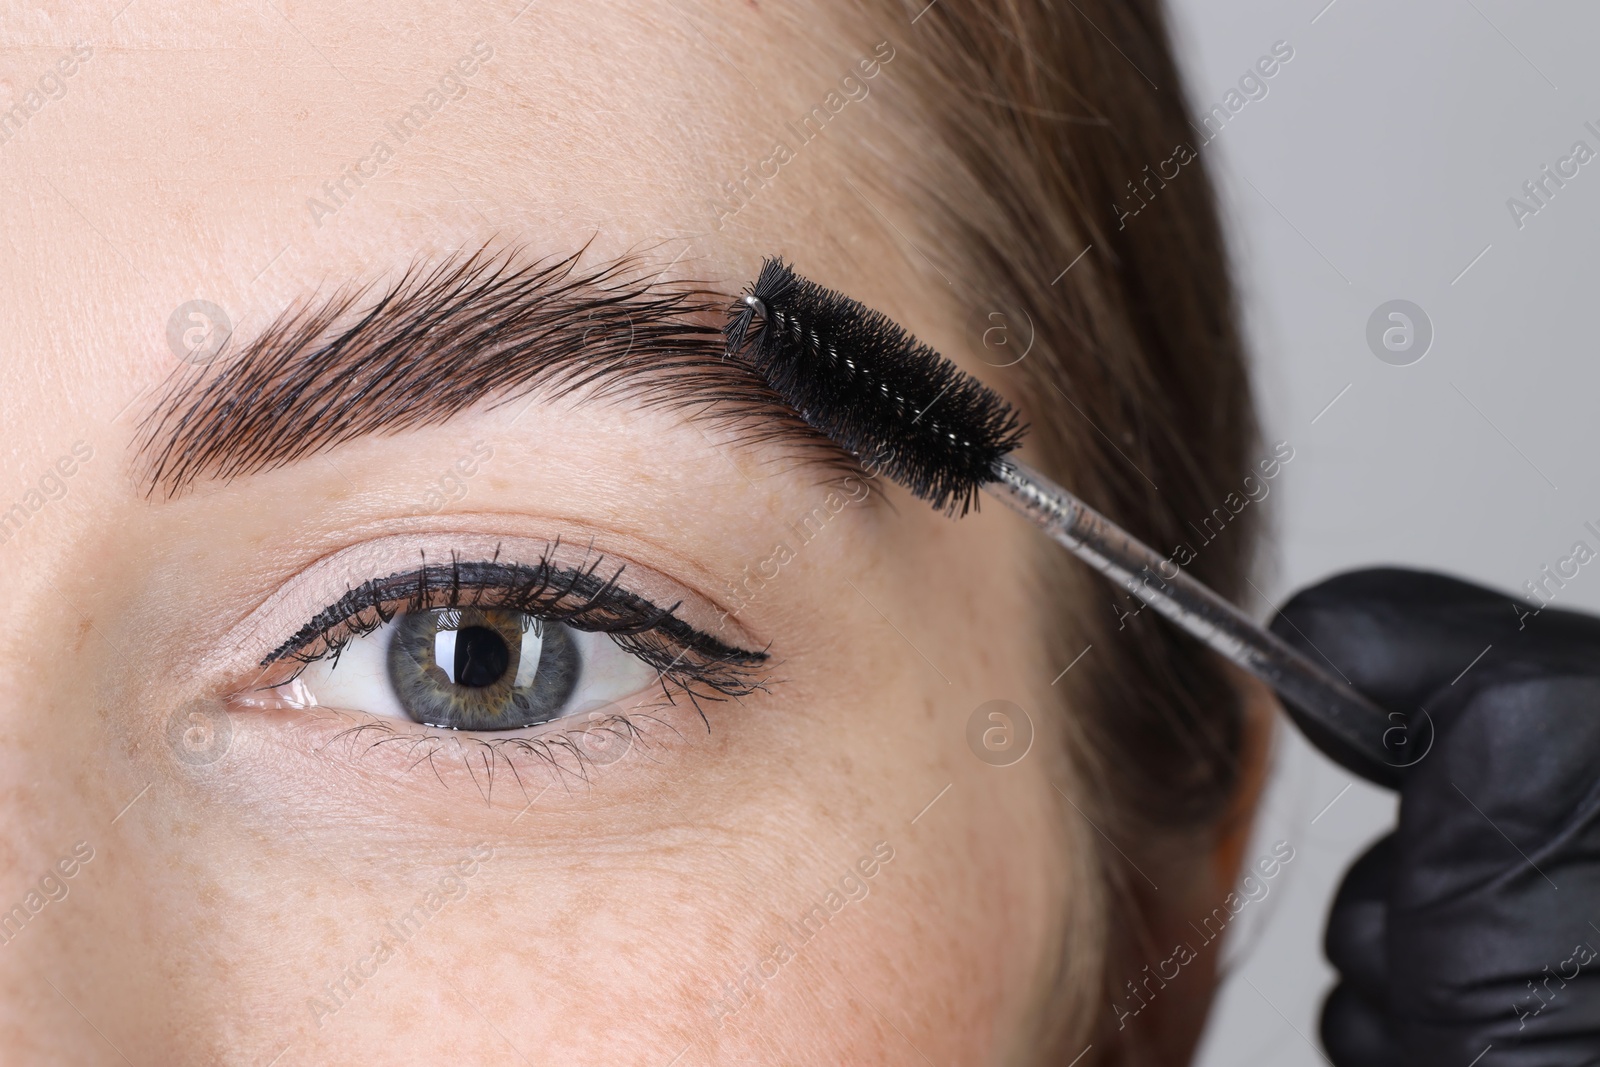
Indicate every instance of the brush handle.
{"type": "Point", "coordinates": [1333, 705]}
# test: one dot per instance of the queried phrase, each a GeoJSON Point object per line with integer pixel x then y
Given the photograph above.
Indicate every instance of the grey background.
{"type": "Point", "coordinates": [1378, 167]}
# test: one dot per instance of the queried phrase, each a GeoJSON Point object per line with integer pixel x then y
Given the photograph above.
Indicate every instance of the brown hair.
{"type": "Point", "coordinates": [1044, 117]}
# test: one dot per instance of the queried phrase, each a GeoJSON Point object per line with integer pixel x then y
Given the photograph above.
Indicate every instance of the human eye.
{"type": "Point", "coordinates": [497, 645]}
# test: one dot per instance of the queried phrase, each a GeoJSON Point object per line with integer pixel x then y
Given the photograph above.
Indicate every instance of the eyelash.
{"type": "Point", "coordinates": [687, 660]}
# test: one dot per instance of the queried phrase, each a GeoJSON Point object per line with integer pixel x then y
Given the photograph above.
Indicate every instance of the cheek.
{"type": "Point", "coordinates": [736, 951]}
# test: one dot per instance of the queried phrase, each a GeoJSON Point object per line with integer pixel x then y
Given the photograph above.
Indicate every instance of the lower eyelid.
{"type": "Point", "coordinates": [510, 764]}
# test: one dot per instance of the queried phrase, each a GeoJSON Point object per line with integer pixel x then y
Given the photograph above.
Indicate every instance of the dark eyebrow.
{"type": "Point", "coordinates": [445, 337]}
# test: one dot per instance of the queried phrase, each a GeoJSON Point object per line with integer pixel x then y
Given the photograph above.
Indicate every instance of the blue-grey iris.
{"type": "Point", "coordinates": [482, 668]}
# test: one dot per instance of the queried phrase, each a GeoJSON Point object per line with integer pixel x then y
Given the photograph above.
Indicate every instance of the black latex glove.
{"type": "Point", "coordinates": [1476, 923]}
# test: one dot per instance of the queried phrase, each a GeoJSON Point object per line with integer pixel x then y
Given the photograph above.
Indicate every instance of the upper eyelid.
{"type": "Point", "coordinates": [579, 581]}
{"type": "Point", "coordinates": [316, 576]}
{"type": "Point", "coordinates": [308, 585]}
{"type": "Point", "coordinates": [367, 596]}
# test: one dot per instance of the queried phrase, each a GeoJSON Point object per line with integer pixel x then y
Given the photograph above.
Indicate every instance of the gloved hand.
{"type": "Point", "coordinates": [1471, 934]}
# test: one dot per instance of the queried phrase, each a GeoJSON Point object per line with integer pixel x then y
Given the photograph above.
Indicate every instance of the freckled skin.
{"type": "Point", "coordinates": [234, 903]}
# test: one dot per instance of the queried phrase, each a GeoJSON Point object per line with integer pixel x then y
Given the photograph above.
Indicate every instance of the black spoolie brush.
{"type": "Point", "coordinates": [910, 414]}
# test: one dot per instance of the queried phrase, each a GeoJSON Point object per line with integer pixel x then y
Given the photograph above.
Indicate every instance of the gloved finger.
{"type": "Point", "coordinates": [1356, 939]}
{"type": "Point", "coordinates": [1500, 836]}
{"type": "Point", "coordinates": [1511, 785]}
{"type": "Point", "coordinates": [1408, 638]}
{"type": "Point", "coordinates": [1355, 1032]}
{"type": "Point", "coordinates": [1396, 634]}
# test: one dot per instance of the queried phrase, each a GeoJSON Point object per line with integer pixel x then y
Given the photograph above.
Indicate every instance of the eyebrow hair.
{"type": "Point", "coordinates": [446, 337]}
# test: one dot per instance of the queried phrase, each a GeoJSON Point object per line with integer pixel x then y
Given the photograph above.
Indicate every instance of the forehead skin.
{"type": "Point", "coordinates": [175, 162]}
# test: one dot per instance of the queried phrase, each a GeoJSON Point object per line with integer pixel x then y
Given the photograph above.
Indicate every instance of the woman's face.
{"type": "Point", "coordinates": [207, 862]}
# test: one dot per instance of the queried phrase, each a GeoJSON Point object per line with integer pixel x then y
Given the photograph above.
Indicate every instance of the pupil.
{"type": "Point", "coordinates": [481, 657]}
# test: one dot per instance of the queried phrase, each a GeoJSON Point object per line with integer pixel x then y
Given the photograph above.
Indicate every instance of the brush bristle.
{"type": "Point", "coordinates": [871, 387]}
